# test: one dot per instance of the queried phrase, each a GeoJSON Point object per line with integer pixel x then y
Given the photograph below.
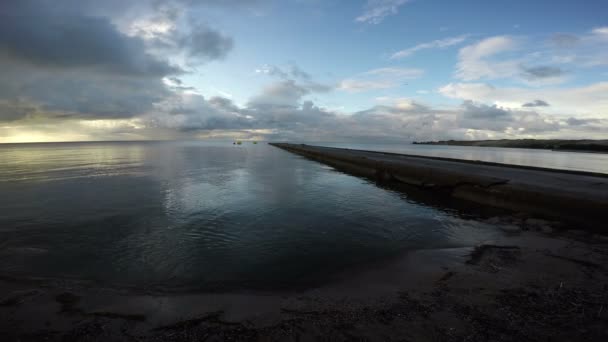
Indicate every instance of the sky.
{"type": "Point", "coordinates": [381, 71]}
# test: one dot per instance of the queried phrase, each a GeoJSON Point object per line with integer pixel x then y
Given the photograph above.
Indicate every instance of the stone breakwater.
{"type": "Point", "coordinates": [574, 196]}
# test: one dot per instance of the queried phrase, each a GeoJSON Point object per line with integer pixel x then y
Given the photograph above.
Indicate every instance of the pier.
{"type": "Point", "coordinates": [574, 196]}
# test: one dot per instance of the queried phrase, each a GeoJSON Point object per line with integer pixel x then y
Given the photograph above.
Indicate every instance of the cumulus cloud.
{"type": "Point", "coordinates": [165, 30]}
{"type": "Point", "coordinates": [377, 10]}
{"type": "Point", "coordinates": [399, 120]}
{"type": "Point", "coordinates": [497, 121]}
{"type": "Point", "coordinates": [282, 94]}
{"type": "Point", "coordinates": [189, 112]}
{"type": "Point", "coordinates": [590, 100]}
{"type": "Point", "coordinates": [435, 44]}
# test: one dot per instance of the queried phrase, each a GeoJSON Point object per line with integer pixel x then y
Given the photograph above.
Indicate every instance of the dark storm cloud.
{"type": "Point", "coordinates": [76, 42]}
{"type": "Point", "coordinates": [15, 110]}
{"type": "Point", "coordinates": [536, 103]}
{"type": "Point", "coordinates": [69, 59]}
{"type": "Point", "coordinates": [541, 72]}
{"type": "Point", "coordinates": [78, 94]}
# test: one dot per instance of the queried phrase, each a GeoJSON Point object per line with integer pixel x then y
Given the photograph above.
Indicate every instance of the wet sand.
{"type": "Point", "coordinates": [534, 284]}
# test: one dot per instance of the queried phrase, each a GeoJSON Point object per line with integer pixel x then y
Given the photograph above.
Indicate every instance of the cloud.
{"type": "Point", "coordinates": [399, 120]}
{"type": "Point", "coordinates": [92, 60]}
{"type": "Point", "coordinates": [482, 111]}
{"type": "Point", "coordinates": [589, 100]}
{"type": "Point", "coordinates": [170, 29]}
{"type": "Point", "coordinates": [536, 103]}
{"type": "Point", "coordinates": [587, 50]}
{"type": "Point", "coordinates": [292, 72]}
{"type": "Point", "coordinates": [435, 44]}
{"type": "Point", "coordinates": [564, 40]}
{"type": "Point", "coordinates": [382, 78]}
{"type": "Point", "coordinates": [377, 10]}
{"type": "Point", "coordinates": [296, 72]}
{"type": "Point", "coordinates": [485, 60]}
{"type": "Point", "coordinates": [282, 94]}
{"type": "Point", "coordinates": [497, 121]}
{"type": "Point", "coordinates": [11, 110]}
{"type": "Point", "coordinates": [90, 70]}
{"type": "Point", "coordinates": [192, 112]}
{"type": "Point", "coordinates": [582, 122]}
{"type": "Point", "coordinates": [541, 72]}
{"type": "Point", "coordinates": [473, 60]}
{"type": "Point", "coordinates": [204, 43]}
{"type": "Point", "coordinates": [75, 42]}
{"type": "Point", "coordinates": [296, 76]}
{"type": "Point", "coordinates": [600, 31]}
{"type": "Point", "coordinates": [284, 115]}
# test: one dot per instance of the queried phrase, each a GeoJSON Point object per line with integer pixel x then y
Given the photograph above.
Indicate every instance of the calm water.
{"type": "Point", "coordinates": [202, 215]}
{"type": "Point", "coordinates": [592, 162]}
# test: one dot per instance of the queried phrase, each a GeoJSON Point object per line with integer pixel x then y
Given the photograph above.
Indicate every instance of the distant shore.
{"type": "Point", "coordinates": [585, 145]}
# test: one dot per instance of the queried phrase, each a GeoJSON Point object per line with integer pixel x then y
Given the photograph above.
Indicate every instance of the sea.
{"type": "Point", "coordinates": [215, 216]}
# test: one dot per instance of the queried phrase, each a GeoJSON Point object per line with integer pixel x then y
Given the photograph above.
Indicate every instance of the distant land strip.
{"type": "Point", "coordinates": [584, 145]}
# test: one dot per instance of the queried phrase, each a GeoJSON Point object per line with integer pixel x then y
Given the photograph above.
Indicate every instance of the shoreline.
{"type": "Point", "coordinates": [579, 145]}
{"type": "Point", "coordinates": [527, 285]}
{"type": "Point", "coordinates": [574, 196]}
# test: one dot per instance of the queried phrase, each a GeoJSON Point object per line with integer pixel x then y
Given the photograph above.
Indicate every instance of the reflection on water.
{"type": "Point", "coordinates": [591, 162]}
{"type": "Point", "coordinates": [202, 215]}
